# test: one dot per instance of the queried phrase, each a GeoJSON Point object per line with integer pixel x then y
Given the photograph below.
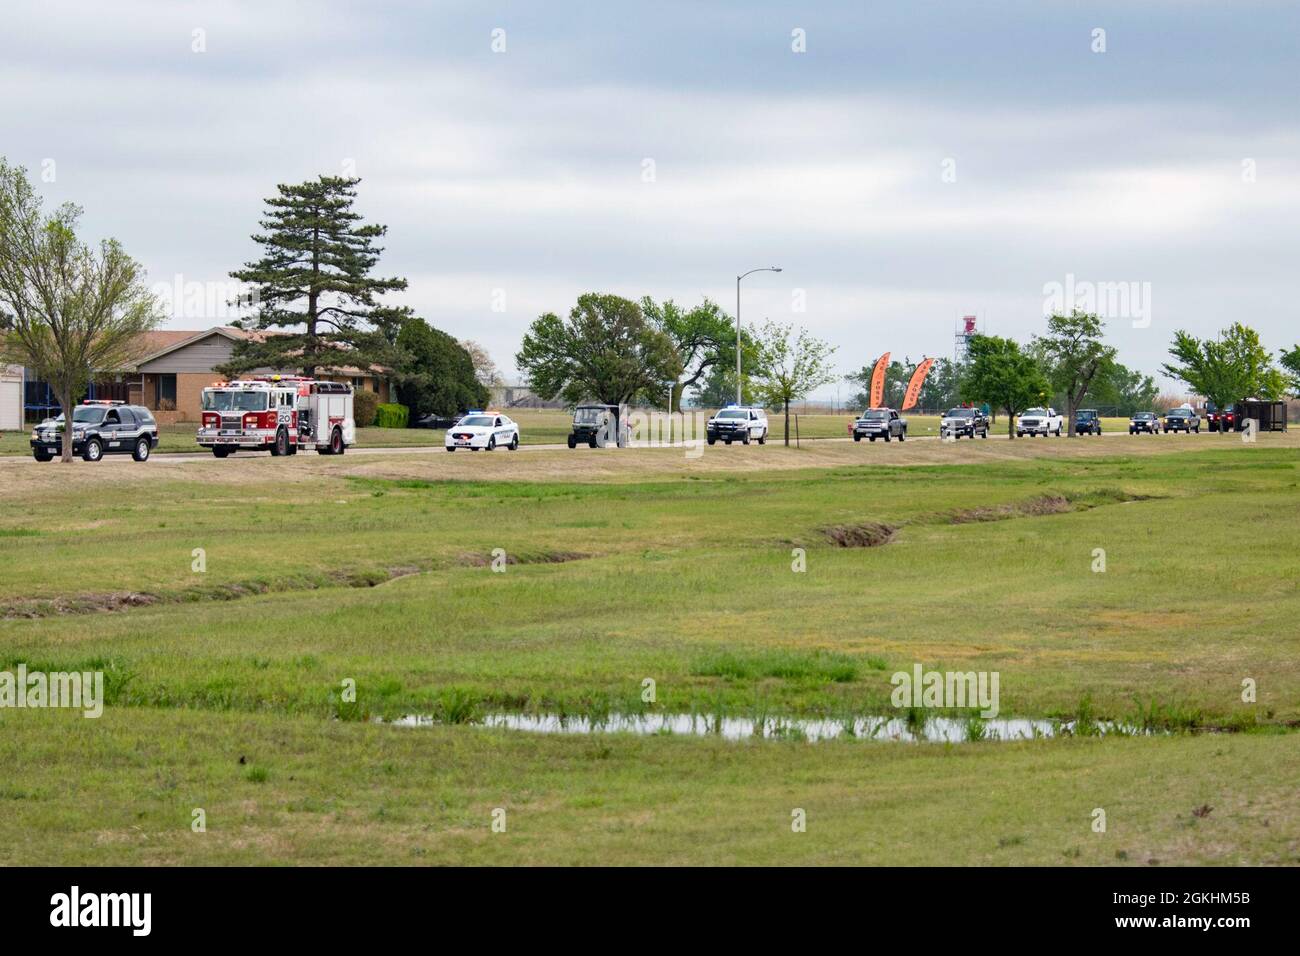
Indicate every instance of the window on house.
{"type": "Point", "coordinates": [358, 382]}
{"type": "Point", "coordinates": [166, 392]}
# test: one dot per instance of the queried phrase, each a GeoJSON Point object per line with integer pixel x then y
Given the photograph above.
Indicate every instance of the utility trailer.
{"type": "Point", "coordinates": [1268, 416]}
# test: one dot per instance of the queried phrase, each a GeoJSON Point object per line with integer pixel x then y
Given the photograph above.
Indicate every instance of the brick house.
{"type": "Point", "coordinates": [175, 367]}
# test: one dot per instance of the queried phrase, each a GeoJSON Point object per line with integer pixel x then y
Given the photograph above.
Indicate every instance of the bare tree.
{"type": "Point", "coordinates": [485, 370]}
{"type": "Point", "coordinates": [67, 310]}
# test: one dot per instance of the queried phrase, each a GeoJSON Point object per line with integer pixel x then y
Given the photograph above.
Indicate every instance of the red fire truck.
{"type": "Point", "coordinates": [282, 414]}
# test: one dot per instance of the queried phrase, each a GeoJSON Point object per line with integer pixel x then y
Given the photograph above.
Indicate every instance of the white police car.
{"type": "Point", "coordinates": [737, 423]}
{"type": "Point", "coordinates": [482, 430]}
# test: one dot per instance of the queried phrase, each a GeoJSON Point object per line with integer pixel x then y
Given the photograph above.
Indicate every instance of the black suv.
{"type": "Point", "coordinates": [1087, 422]}
{"type": "Point", "coordinates": [99, 429]}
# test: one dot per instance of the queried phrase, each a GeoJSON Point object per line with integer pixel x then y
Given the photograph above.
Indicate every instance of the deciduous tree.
{"type": "Point", "coordinates": [68, 310]}
{"type": "Point", "coordinates": [1228, 368]}
{"type": "Point", "coordinates": [1073, 356]}
{"type": "Point", "coordinates": [605, 350]}
{"type": "Point", "coordinates": [705, 338]}
{"type": "Point", "coordinates": [435, 374]}
{"type": "Point", "coordinates": [790, 366]}
{"type": "Point", "coordinates": [999, 372]}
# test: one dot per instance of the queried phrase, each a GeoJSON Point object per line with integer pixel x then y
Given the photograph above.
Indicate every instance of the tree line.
{"type": "Point", "coordinates": [1071, 364]}
{"type": "Point", "coordinates": [70, 309]}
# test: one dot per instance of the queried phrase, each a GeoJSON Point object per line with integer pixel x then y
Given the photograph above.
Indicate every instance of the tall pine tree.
{"type": "Point", "coordinates": [314, 295]}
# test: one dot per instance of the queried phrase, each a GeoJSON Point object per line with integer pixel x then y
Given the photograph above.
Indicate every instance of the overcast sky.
{"type": "Point", "coordinates": [917, 162]}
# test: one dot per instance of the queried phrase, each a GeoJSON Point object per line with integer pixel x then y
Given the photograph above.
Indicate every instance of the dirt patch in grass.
{"type": "Point", "coordinates": [1042, 505]}
{"type": "Point", "coordinates": [77, 604]}
{"type": "Point", "coordinates": [868, 534]}
{"type": "Point", "coordinates": [476, 560]}
{"type": "Point", "coordinates": [1050, 504]}
{"type": "Point", "coordinates": [233, 591]}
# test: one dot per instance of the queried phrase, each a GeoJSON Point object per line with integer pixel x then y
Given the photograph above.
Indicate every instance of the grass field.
{"type": "Point", "coordinates": [224, 686]}
{"type": "Point", "coordinates": [537, 427]}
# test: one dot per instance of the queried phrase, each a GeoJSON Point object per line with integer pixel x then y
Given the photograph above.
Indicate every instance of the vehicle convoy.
{"type": "Point", "coordinates": [880, 423]}
{"type": "Point", "coordinates": [482, 431]}
{"type": "Point", "coordinates": [99, 428]}
{"type": "Point", "coordinates": [1182, 419]}
{"type": "Point", "coordinates": [593, 425]}
{"type": "Point", "coordinates": [1039, 421]}
{"type": "Point", "coordinates": [1087, 422]}
{"type": "Point", "coordinates": [964, 421]}
{"type": "Point", "coordinates": [737, 423]}
{"type": "Point", "coordinates": [282, 414]}
{"type": "Point", "coordinates": [1147, 422]}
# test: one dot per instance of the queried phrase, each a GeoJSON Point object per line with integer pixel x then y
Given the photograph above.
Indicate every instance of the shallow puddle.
{"type": "Point", "coordinates": [934, 730]}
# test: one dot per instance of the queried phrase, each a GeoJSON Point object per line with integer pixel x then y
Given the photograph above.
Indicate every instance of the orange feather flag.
{"type": "Point", "coordinates": [878, 381]}
{"type": "Point", "coordinates": [914, 386]}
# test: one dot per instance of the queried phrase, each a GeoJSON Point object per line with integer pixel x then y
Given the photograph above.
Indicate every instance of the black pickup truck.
{"type": "Point", "coordinates": [964, 421]}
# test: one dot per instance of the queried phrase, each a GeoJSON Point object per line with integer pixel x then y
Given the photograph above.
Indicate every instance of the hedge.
{"type": "Point", "coordinates": [364, 405]}
{"type": "Point", "coordinates": [392, 416]}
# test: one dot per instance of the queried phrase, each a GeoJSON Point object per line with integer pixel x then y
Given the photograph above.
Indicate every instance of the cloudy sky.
{"type": "Point", "coordinates": [915, 162]}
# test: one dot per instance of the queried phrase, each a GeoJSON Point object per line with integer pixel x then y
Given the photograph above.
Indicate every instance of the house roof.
{"type": "Point", "coordinates": [158, 344]}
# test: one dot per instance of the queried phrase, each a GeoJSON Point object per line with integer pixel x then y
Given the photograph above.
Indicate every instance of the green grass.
{"type": "Point", "coordinates": [682, 578]}
{"type": "Point", "coordinates": [278, 790]}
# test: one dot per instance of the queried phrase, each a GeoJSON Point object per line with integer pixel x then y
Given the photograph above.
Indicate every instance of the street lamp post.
{"type": "Point", "coordinates": [739, 399]}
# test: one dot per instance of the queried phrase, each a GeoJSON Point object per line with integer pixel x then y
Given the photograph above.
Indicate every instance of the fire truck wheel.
{"type": "Point", "coordinates": [141, 452]}
{"type": "Point", "coordinates": [336, 443]}
{"type": "Point", "coordinates": [222, 451]}
{"type": "Point", "coordinates": [281, 446]}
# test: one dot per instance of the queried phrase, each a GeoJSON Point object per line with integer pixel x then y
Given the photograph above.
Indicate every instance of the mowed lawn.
{"type": "Point", "coordinates": [681, 574]}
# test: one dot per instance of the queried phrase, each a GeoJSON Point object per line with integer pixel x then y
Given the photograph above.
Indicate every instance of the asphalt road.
{"type": "Point", "coordinates": [439, 450]}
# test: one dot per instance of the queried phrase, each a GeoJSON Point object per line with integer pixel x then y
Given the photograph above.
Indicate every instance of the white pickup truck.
{"type": "Point", "coordinates": [1039, 421]}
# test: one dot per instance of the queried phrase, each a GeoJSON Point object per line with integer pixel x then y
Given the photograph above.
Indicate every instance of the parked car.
{"type": "Point", "coordinates": [482, 431]}
{"type": "Point", "coordinates": [1182, 420]}
{"type": "Point", "coordinates": [1145, 422]}
{"type": "Point", "coordinates": [99, 428]}
{"type": "Point", "coordinates": [592, 425]}
{"type": "Point", "coordinates": [880, 423]}
{"type": "Point", "coordinates": [1087, 422]}
{"type": "Point", "coordinates": [1039, 421]}
{"type": "Point", "coordinates": [964, 421]}
{"type": "Point", "coordinates": [436, 421]}
{"type": "Point", "coordinates": [737, 423]}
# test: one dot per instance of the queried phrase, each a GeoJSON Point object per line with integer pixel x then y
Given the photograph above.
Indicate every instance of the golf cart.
{"type": "Point", "coordinates": [593, 425]}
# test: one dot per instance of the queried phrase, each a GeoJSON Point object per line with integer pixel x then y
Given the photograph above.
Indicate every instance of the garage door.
{"type": "Point", "coordinates": [10, 406]}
